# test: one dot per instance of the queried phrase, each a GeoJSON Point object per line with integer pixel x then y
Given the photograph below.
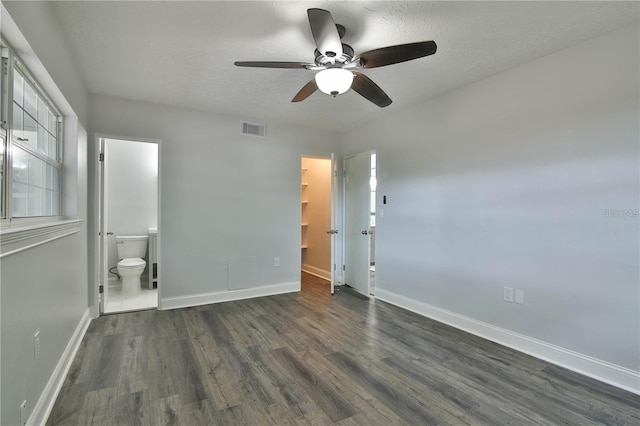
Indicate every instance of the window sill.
{"type": "Point", "coordinates": [14, 239]}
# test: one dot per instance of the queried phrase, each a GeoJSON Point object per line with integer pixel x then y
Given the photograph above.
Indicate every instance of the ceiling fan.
{"type": "Point", "coordinates": [336, 62]}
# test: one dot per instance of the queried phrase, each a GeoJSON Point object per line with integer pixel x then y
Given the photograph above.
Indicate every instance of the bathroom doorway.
{"type": "Point", "coordinates": [129, 200]}
{"type": "Point", "coordinates": [318, 229]}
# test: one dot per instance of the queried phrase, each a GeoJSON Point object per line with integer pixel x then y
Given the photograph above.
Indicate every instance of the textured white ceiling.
{"type": "Point", "coordinates": [181, 52]}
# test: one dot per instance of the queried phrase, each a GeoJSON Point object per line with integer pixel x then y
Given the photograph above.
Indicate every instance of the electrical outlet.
{"type": "Point", "coordinates": [520, 297]}
{"type": "Point", "coordinates": [36, 345]}
{"type": "Point", "coordinates": [508, 294]}
{"type": "Point", "coordinates": [276, 261]}
{"type": "Point", "coordinates": [23, 413]}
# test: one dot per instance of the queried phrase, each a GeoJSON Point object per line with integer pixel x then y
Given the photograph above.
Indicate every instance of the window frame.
{"type": "Point", "coordinates": [7, 218]}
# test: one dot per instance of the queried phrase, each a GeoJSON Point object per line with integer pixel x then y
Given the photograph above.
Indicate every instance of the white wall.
{"type": "Point", "coordinates": [132, 190]}
{"type": "Point", "coordinates": [229, 203]}
{"type": "Point", "coordinates": [505, 183]}
{"type": "Point", "coordinates": [44, 287]}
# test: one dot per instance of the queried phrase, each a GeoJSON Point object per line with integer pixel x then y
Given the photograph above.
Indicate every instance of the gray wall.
{"type": "Point", "coordinates": [505, 183]}
{"type": "Point", "coordinates": [45, 289]}
{"type": "Point", "coordinates": [228, 202]}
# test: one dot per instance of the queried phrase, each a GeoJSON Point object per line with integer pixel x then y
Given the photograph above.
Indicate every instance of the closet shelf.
{"type": "Point", "coordinates": [304, 246]}
{"type": "Point", "coordinates": [304, 224]}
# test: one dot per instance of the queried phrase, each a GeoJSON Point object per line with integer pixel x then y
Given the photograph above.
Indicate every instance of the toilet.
{"type": "Point", "coordinates": [131, 250]}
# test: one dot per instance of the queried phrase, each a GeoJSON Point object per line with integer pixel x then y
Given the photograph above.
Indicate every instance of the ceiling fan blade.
{"type": "Point", "coordinates": [306, 91]}
{"type": "Point", "coordinates": [272, 64]}
{"type": "Point", "coordinates": [368, 89]}
{"type": "Point", "coordinates": [396, 54]}
{"type": "Point", "coordinates": [325, 33]}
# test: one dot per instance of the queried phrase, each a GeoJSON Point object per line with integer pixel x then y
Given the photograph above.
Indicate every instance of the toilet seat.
{"type": "Point", "coordinates": [132, 262]}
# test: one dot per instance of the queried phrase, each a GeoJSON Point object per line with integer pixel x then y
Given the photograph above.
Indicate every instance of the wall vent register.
{"type": "Point", "coordinates": [254, 129]}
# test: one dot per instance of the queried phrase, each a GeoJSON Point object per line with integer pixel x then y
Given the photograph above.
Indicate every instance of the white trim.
{"type": "Point", "coordinates": [603, 371]}
{"type": "Point", "coordinates": [321, 273]}
{"type": "Point", "coordinates": [15, 240]}
{"type": "Point", "coordinates": [96, 278]}
{"type": "Point", "coordinates": [227, 296]}
{"type": "Point", "coordinates": [47, 399]}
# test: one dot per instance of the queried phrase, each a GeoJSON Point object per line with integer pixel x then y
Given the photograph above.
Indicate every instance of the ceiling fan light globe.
{"type": "Point", "coordinates": [334, 81]}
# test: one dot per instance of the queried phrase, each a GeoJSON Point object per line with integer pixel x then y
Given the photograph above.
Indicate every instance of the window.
{"type": "Point", "coordinates": [4, 98]}
{"type": "Point", "coordinates": [3, 138]}
{"type": "Point", "coordinates": [32, 159]}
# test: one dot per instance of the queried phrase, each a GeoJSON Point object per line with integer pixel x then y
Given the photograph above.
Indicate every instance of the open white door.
{"type": "Point", "coordinates": [334, 217]}
{"type": "Point", "coordinates": [357, 231]}
{"type": "Point", "coordinates": [103, 286]}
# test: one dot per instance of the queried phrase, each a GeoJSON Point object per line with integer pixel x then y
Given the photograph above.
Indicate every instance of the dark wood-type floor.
{"type": "Point", "coordinates": [310, 358]}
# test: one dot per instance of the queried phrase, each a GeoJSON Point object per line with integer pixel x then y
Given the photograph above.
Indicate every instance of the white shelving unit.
{"type": "Point", "coordinates": [304, 224]}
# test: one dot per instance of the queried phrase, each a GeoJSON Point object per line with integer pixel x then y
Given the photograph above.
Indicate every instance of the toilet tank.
{"type": "Point", "coordinates": [131, 246]}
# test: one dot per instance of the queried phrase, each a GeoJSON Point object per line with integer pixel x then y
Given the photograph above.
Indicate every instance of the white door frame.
{"type": "Point", "coordinates": [334, 220]}
{"type": "Point", "coordinates": [101, 262]}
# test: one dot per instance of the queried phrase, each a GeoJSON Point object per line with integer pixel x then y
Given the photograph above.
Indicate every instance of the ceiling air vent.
{"type": "Point", "coordinates": [254, 129]}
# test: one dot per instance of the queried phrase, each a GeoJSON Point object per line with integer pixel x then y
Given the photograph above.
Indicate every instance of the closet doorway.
{"type": "Point", "coordinates": [318, 229]}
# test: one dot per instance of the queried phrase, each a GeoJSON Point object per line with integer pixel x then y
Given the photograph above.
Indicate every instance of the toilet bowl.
{"type": "Point", "coordinates": [131, 250]}
{"type": "Point", "coordinates": [130, 270]}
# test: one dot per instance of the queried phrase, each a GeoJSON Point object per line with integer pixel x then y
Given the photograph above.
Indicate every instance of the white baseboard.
{"type": "Point", "coordinates": [603, 371]}
{"type": "Point", "coordinates": [318, 272]}
{"type": "Point", "coordinates": [227, 296]}
{"type": "Point", "coordinates": [43, 407]}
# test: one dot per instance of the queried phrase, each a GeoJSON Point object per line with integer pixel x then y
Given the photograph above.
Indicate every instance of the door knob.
{"type": "Point", "coordinates": [365, 232]}
{"type": "Point", "coordinates": [332, 231]}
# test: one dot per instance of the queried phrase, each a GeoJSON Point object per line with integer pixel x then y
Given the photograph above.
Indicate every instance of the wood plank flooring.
{"type": "Point", "coordinates": [312, 358]}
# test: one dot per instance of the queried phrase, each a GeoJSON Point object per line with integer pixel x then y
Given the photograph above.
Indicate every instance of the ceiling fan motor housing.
{"type": "Point", "coordinates": [326, 60]}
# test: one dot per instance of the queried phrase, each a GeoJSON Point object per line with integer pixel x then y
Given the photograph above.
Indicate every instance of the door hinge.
{"type": "Point", "coordinates": [344, 268]}
{"type": "Point", "coordinates": [335, 173]}
{"type": "Point", "coordinates": [101, 156]}
{"type": "Point", "coordinates": [100, 289]}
